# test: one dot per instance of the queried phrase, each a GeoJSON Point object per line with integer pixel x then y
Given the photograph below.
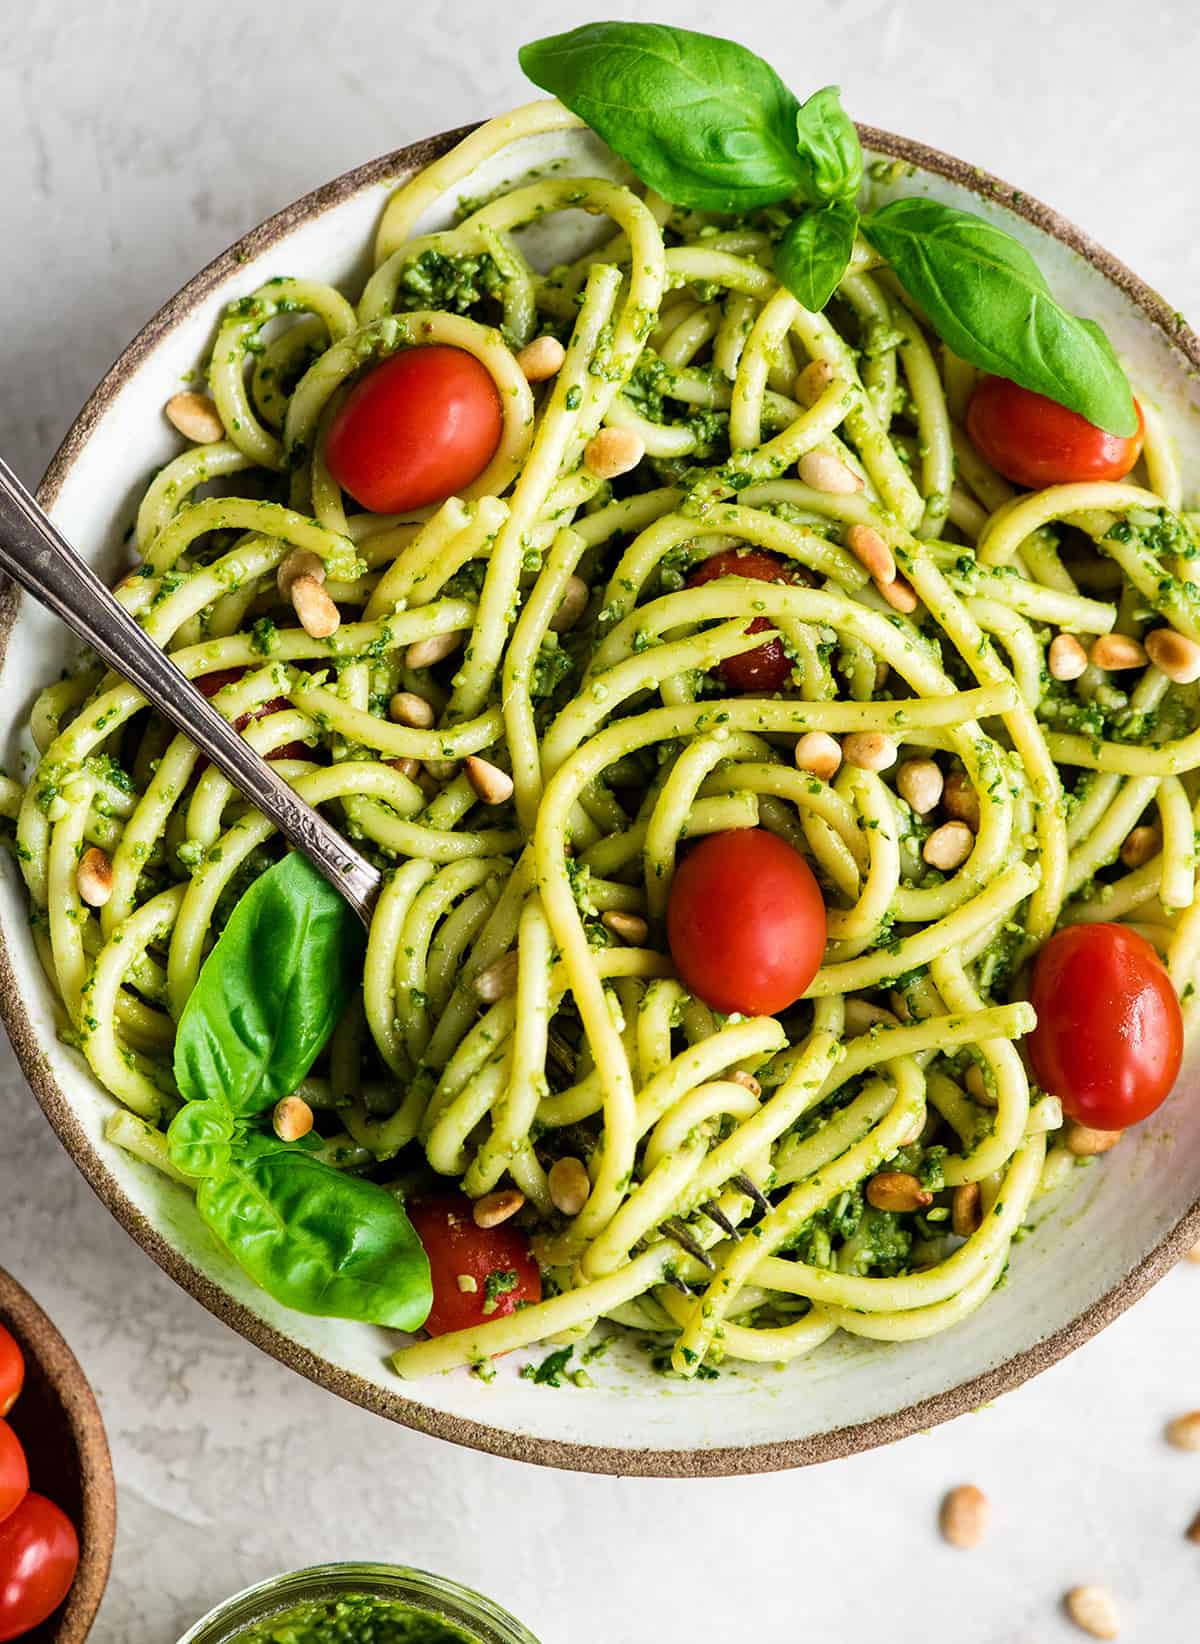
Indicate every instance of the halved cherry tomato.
{"type": "Point", "coordinates": [497, 1261]}
{"type": "Point", "coordinates": [767, 668]}
{"type": "Point", "coordinates": [415, 430]}
{"type": "Point", "coordinates": [746, 922]}
{"type": "Point", "coordinates": [1034, 441]}
{"type": "Point", "coordinates": [210, 684]}
{"type": "Point", "coordinates": [14, 1471]}
{"type": "Point", "coordinates": [39, 1554]}
{"type": "Point", "coordinates": [12, 1371]}
{"type": "Point", "coordinates": [1109, 1035]}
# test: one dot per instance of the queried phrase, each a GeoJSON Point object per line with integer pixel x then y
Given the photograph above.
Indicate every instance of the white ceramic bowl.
{"type": "Point", "coordinates": [1096, 1248]}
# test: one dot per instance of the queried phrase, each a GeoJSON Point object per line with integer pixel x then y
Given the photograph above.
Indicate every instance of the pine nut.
{"type": "Point", "coordinates": [1094, 1611]}
{"type": "Point", "coordinates": [961, 801]}
{"type": "Point", "coordinates": [862, 1016]}
{"type": "Point", "coordinates": [613, 451]}
{"type": "Point", "coordinates": [423, 653]}
{"type": "Point", "coordinates": [468, 1284]}
{"type": "Point", "coordinates": [1184, 1432]}
{"type": "Point", "coordinates": [949, 846]}
{"type": "Point", "coordinates": [1174, 655]}
{"type": "Point", "coordinates": [195, 416]}
{"type": "Point", "coordinates": [630, 927]}
{"type": "Point", "coordinates": [966, 1212]}
{"type": "Point", "coordinates": [825, 472]}
{"type": "Point", "coordinates": [93, 877]}
{"type": "Point", "coordinates": [897, 1190]}
{"type": "Point", "coordinates": [819, 753]}
{"type": "Point", "coordinates": [292, 1118]}
{"type": "Point", "coordinates": [570, 1185]}
{"type": "Point", "coordinates": [299, 563]}
{"type": "Point", "coordinates": [1066, 658]}
{"type": "Point", "coordinates": [1116, 652]}
{"type": "Point", "coordinates": [1141, 844]}
{"type": "Point", "coordinates": [977, 1086]}
{"type": "Point", "coordinates": [812, 382]}
{"type": "Point", "coordinates": [1085, 1143]}
{"type": "Point", "coordinates": [571, 606]}
{"type": "Point", "coordinates": [541, 359]}
{"type": "Point", "coordinates": [319, 616]}
{"type": "Point", "coordinates": [492, 785]}
{"type": "Point", "coordinates": [1193, 1255]}
{"type": "Point", "coordinates": [497, 980]}
{"type": "Point", "coordinates": [872, 552]}
{"type": "Point", "coordinates": [920, 784]}
{"type": "Point", "coordinates": [441, 770]}
{"type": "Point", "coordinates": [497, 1207]}
{"type": "Point", "coordinates": [1193, 1530]}
{"type": "Point", "coordinates": [740, 1077]}
{"type": "Point", "coordinates": [869, 751]}
{"type": "Point", "coordinates": [411, 768]}
{"type": "Point", "coordinates": [407, 708]}
{"type": "Point", "coordinates": [964, 1515]}
{"type": "Point", "coordinates": [900, 595]}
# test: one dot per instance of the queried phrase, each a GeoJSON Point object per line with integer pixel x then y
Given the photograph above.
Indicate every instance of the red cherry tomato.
{"type": "Point", "coordinates": [415, 430]}
{"type": "Point", "coordinates": [12, 1371]}
{"type": "Point", "coordinates": [39, 1553]}
{"type": "Point", "coordinates": [14, 1471]}
{"type": "Point", "coordinates": [1033, 441]}
{"type": "Point", "coordinates": [1109, 1035]}
{"type": "Point", "coordinates": [746, 922]}
{"type": "Point", "coordinates": [768, 667]}
{"type": "Point", "coordinates": [498, 1259]}
{"type": "Point", "coordinates": [210, 684]}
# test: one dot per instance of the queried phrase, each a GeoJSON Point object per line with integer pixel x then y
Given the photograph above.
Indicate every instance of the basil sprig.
{"type": "Point", "coordinates": [264, 1005]}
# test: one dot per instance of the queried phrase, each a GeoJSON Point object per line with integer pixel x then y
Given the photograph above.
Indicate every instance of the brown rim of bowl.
{"type": "Point", "coordinates": [758, 1458]}
{"type": "Point", "coordinates": [41, 1341]}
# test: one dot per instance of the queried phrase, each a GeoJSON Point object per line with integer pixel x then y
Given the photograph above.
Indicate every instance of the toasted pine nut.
{"type": "Point", "coordinates": [497, 980]}
{"type": "Point", "coordinates": [411, 768]}
{"type": "Point", "coordinates": [195, 416]}
{"type": "Point", "coordinates": [542, 358]}
{"type": "Point", "coordinates": [881, 675]}
{"type": "Point", "coordinates": [299, 563]}
{"type": "Point", "coordinates": [1085, 1142]}
{"type": "Point", "coordinates": [872, 552]}
{"type": "Point", "coordinates": [1193, 1530]}
{"type": "Point", "coordinates": [919, 782]}
{"type": "Point", "coordinates": [441, 770]}
{"type": "Point", "coordinates": [869, 751]}
{"type": "Point", "coordinates": [897, 1190]}
{"type": "Point", "coordinates": [961, 800]}
{"type": "Point", "coordinates": [292, 1118]}
{"type": "Point", "coordinates": [740, 1077]}
{"type": "Point", "coordinates": [949, 846]}
{"type": "Point", "coordinates": [966, 1213]}
{"type": "Point", "coordinates": [812, 382]}
{"type": "Point", "coordinates": [1193, 1255]}
{"type": "Point", "coordinates": [1174, 655]}
{"type": "Point", "coordinates": [630, 927]}
{"type": "Point", "coordinates": [1066, 658]}
{"type": "Point", "coordinates": [497, 1207]}
{"type": "Point", "coordinates": [613, 451]}
{"type": "Point", "coordinates": [963, 1519]}
{"type": "Point", "coordinates": [825, 472]}
{"type": "Point", "coordinates": [93, 877]}
{"type": "Point", "coordinates": [492, 785]}
{"type": "Point", "coordinates": [1184, 1431]}
{"type": "Point", "coordinates": [570, 1185]}
{"type": "Point", "coordinates": [819, 753]}
{"type": "Point", "coordinates": [407, 708]}
{"type": "Point", "coordinates": [319, 616]}
{"type": "Point", "coordinates": [423, 653]}
{"type": "Point", "coordinates": [900, 595]}
{"type": "Point", "coordinates": [977, 1086]}
{"type": "Point", "coordinates": [468, 1284]}
{"type": "Point", "coordinates": [571, 606]}
{"type": "Point", "coordinates": [1141, 844]}
{"type": "Point", "coordinates": [1116, 652]}
{"type": "Point", "coordinates": [1094, 1611]}
{"type": "Point", "coordinates": [862, 1016]}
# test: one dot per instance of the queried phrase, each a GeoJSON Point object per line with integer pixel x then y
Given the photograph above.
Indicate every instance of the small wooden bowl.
{"type": "Point", "coordinates": [58, 1421]}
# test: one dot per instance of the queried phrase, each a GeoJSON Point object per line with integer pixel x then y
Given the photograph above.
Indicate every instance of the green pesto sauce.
{"type": "Point", "coordinates": [356, 1618]}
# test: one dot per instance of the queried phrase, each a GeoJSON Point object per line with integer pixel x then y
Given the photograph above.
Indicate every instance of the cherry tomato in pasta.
{"type": "Point", "coordinates": [12, 1371]}
{"type": "Point", "coordinates": [478, 1273]}
{"type": "Point", "coordinates": [1109, 1035]}
{"type": "Point", "coordinates": [210, 684]}
{"type": "Point", "coordinates": [746, 922]}
{"type": "Point", "coordinates": [14, 1471]}
{"type": "Point", "coordinates": [415, 430]}
{"type": "Point", "coordinates": [1033, 441]}
{"type": "Point", "coordinates": [39, 1554]}
{"type": "Point", "coordinates": [766, 668]}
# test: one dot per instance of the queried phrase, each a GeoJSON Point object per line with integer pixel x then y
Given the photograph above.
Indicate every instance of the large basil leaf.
{"type": "Point", "coordinates": [815, 251]}
{"type": "Point", "coordinates": [269, 993]}
{"type": "Point", "coordinates": [986, 297]}
{"type": "Point", "coordinates": [830, 154]}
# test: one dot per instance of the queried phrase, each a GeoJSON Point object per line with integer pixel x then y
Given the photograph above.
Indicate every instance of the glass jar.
{"type": "Point", "coordinates": [445, 1600]}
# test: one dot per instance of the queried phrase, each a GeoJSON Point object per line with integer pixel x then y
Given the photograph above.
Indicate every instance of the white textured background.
{"type": "Point", "coordinates": [137, 138]}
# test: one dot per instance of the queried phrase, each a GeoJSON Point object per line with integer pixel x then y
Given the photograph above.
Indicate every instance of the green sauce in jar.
{"type": "Point", "coordinates": [355, 1618]}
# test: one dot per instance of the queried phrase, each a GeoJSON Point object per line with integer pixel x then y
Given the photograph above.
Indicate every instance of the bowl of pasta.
{"type": "Point", "coordinates": [730, 571]}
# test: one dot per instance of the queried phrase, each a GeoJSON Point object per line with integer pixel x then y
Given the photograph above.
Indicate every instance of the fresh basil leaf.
{"type": "Point", "coordinates": [830, 153]}
{"type": "Point", "coordinates": [270, 992]}
{"type": "Point", "coordinates": [815, 251]}
{"type": "Point", "coordinates": [199, 1137]}
{"type": "Point", "coordinates": [986, 297]}
{"type": "Point", "coordinates": [702, 120]}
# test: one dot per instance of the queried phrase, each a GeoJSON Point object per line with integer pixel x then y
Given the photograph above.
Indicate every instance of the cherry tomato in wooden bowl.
{"type": "Point", "coordinates": [415, 430]}
{"type": "Point", "coordinates": [39, 1554]}
{"type": "Point", "coordinates": [1034, 441]}
{"type": "Point", "coordinates": [1109, 1035]}
{"type": "Point", "coordinates": [14, 1471]}
{"type": "Point", "coordinates": [767, 668]}
{"type": "Point", "coordinates": [12, 1370]}
{"type": "Point", "coordinates": [746, 922]}
{"type": "Point", "coordinates": [496, 1263]}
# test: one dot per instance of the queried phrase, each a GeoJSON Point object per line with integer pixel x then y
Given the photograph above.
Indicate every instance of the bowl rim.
{"type": "Point", "coordinates": [98, 1524]}
{"type": "Point", "coordinates": [397, 1406]}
